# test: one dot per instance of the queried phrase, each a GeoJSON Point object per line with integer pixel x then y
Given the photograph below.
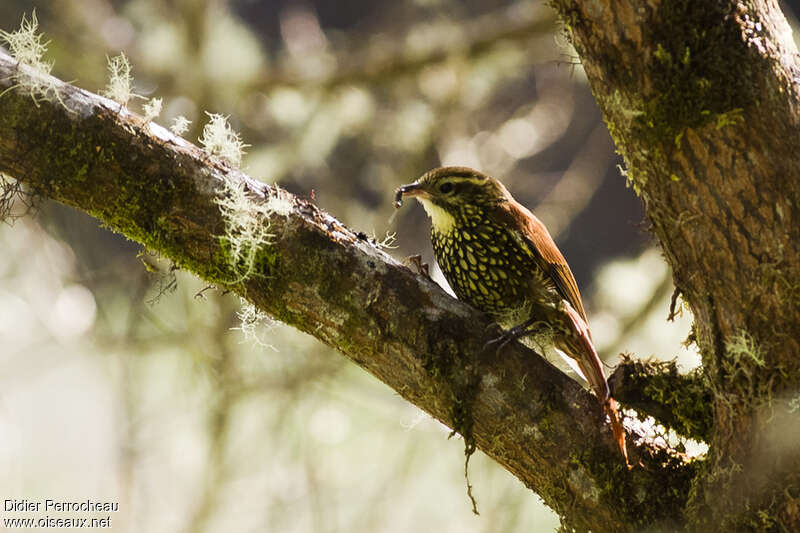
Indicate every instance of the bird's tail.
{"type": "Point", "coordinates": [579, 346]}
{"type": "Point", "coordinates": [610, 408]}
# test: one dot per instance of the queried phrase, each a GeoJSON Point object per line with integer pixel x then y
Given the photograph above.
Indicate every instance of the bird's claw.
{"type": "Point", "coordinates": [494, 327]}
{"type": "Point", "coordinates": [415, 263]}
{"type": "Point", "coordinates": [502, 340]}
{"type": "Point", "coordinates": [510, 335]}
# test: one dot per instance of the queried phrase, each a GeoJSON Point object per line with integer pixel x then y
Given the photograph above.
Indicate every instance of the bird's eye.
{"type": "Point", "coordinates": [446, 188]}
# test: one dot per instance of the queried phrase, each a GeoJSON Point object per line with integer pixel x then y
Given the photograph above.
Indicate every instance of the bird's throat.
{"type": "Point", "coordinates": [442, 221]}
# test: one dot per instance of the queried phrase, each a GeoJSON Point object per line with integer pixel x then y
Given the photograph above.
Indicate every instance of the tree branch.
{"type": "Point", "coordinates": [678, 401]}
{"type": "Point", "coordinates": [318, 276]}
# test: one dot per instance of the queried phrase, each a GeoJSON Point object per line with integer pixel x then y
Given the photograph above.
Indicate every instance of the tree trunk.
{"type": "Point", "coordinates": [702, 101]}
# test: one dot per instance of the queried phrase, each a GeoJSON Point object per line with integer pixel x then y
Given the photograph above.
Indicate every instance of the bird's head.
{"type": "Point", "coordinates": [453, 194]}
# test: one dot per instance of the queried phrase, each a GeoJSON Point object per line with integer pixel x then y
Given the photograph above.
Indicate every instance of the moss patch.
{"type": "Point", "coordinates": [697, 73]}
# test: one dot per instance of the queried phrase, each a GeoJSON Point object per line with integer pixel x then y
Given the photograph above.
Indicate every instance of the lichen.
{"type": "Point", "coordinates": [742, 346]}
{"type": "Point", "coordinates": [28, 48]}
{"type": "Point", "coordinates": [152, 109]}
{"type": "Point", "coordinates": [219, 139]}
{"type": "Point", "coordinates": [180, 125]}
{"type": "Point", "coordinates": [247, 229]}
{"type": "Point", "coordinates": [120, 80]}
{"type": "Point", "coordinates": [253, 322]}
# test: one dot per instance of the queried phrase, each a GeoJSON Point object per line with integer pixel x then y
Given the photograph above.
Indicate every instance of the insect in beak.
{"type": "Point", "coordinates": [412, 189]}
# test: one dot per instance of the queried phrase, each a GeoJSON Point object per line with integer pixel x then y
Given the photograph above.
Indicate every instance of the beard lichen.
{"type": "Point", "coordinates": [247, 228]}
{"type": "Point", "coordinates": [28, 48]}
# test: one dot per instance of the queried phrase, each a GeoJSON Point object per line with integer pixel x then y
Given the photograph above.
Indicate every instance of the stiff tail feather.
{"type": "Point", "coordinates": [610, 408]}
{"type": "Point", "coordinates": [579, 346]}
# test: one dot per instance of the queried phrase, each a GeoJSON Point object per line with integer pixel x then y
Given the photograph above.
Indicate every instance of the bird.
{"type": "Point", "coordinates": [498, 257]}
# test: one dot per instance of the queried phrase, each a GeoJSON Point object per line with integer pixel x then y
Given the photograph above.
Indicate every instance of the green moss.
{"type": "Point", "coordinates": [743, 391]}
{"type": "Point", "coordinates": [730, 118]}
{"type": "Point", "coordinates": [644, 512]}
{"type": "Point", "coordinates": [692, 68]}
{"type": "Point", "coordinates": [446, 366]}
{"type": "Point", "coordinates": [143, 210]}
{"type": "Point", "coordinates": [678, 140]}
{"type": "Point", "coordinates": [748, 510]}
{"type": "Point", "coordinates": [699, 75]}
{"type": "Point", "coordinates": [663, 56]}
{"type": "Point", "coordinates": [682, 402]}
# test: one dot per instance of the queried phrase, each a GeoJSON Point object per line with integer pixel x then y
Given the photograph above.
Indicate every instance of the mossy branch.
{"type": "Point", "coordinates": [318, 276]}
{"type": "Point", "coordinates": [682, 402]}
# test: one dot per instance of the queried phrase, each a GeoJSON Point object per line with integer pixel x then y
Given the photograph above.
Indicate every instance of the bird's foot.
{"type": "Point", "coordinates": [415, 263]}
{"type": "Point", "coordinates": [510, 335]}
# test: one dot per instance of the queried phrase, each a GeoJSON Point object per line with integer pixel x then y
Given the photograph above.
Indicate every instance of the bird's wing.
{"type": "Point", "coordinates": [535, 236]}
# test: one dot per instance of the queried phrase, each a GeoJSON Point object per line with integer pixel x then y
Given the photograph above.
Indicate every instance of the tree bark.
{"type": "Point", "coordinates": [702, 100]}
{"type": "Point", "coordinates": [320, 277]}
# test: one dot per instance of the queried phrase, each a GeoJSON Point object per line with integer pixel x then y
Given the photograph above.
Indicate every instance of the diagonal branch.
{"type": "Point", "coordinates": [318, 276]}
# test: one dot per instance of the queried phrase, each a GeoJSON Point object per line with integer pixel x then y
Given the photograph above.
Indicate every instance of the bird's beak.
{"type": "Point", "coordinates": [412, 189]}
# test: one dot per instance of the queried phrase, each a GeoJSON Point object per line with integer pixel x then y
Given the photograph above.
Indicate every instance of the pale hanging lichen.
{"type": "Point", "coordinates": [246, 227]}
{"type": "Point", "coordinates": [388, 242]}
{"type": "Point", "coordinates": [246, 219]}
{"type": "Point", "coordinates": [29, 47]}
{"type": "Point", "coordinates": [120, 80]}
{"type": "Point", "coordinates": [152, 109]}
{"type": "Point", "coordinates": [180, 125]}
{"type": "Point", "coordinates": [221, 140]}
{"type": "Point", "coordinates": [254, 323]}
{"type": "Point", "coordinates": [245, 210]}
{"type": "Point", "coordinates": [742, 346]}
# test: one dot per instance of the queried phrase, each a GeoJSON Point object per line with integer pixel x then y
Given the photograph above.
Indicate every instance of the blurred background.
{"type": "Point", "coordinates": [123, 381]}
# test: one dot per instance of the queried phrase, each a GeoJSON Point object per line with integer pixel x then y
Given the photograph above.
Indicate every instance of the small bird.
{"type": "Point", "coordinates": [497, 256]}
